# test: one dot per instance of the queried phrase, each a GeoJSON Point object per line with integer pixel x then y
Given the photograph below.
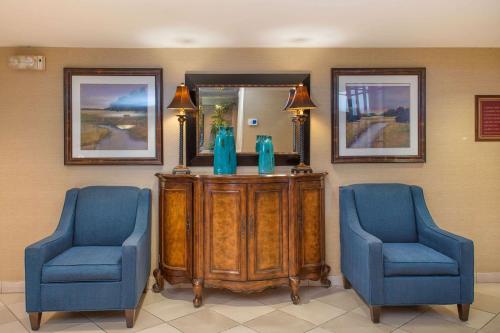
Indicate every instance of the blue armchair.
{"type": "Point", "coordinates": [97, 259]}
{"type": "Point", "coordinates": [392, 252]}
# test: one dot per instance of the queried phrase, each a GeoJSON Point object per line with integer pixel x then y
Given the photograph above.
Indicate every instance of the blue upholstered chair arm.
{"type": "Point", "coordinates": [459, 248]}
{"type": "Point", "coordinates": [42, 251]}
{"type": "Point", "coordinates": [361, 255]}
{"type": "Point", "coordinates": [136, 253]}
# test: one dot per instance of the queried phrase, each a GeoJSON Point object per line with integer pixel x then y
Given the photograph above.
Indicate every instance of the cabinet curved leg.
{"type": "Point", "coordinates": [198, 292]}
{"type": "Point", "coordinates": [325, 270]}
{"type": "Point", "coordinates": [160, 283]}
{"type": "Point", "coordinates": [294, 285]}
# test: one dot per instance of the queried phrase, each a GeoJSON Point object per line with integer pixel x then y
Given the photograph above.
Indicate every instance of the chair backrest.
{"type": "Point", "coordinates": [105, 215]}
{"type": "Point", "coordinates": [386, 211]}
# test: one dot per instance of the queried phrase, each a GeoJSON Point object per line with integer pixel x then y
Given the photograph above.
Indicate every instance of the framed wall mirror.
{"type": "Point", "coordinates": [250, 103]}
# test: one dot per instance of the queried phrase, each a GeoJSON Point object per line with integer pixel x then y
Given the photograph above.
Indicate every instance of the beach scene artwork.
{"type": "Point", "coordinates": [377, 116]}
{"type": "Point", "coordinates": [114, 116]}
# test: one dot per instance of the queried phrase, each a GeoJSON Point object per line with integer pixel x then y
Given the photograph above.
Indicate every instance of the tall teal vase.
{"type": "Point", "coordinates": [266, 156]}
{"type": "Point", "coordinates": [231, 151]}
{"type": "Point", "coordinates": [258, 142]}
{"type": "Point", "coordinates": [224, 152]}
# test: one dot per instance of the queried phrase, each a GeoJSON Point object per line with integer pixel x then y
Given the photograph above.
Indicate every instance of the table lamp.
{"type": "Point", "coordinates": [291, 93]}
{"type": "Point", "coordinates": [181, 103]}
{"type": "Point", "coordinates": [299, 103]}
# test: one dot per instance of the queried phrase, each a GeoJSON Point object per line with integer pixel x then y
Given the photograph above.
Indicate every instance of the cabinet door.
{"type": "Point", "coordinates": [267, 231]}
{"type": "Point", "coordinates": [176, 228]}
{"type": "Point", "coordinates": [225, 231]}
{"type": "Point", "coordinates": [310, 219]}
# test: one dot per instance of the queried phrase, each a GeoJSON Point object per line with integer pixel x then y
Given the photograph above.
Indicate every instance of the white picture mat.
{"type": "Point", "coordinates": [412, 80]}
{"type": "Point", "coordinates": [77, 152]}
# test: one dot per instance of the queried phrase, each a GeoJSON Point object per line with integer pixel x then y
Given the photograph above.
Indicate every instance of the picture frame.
{"type": "Point", "coordinates": [378, 115]}
{"type": "Point", "coordinates": [113, 116]}
{"type": "Point", "coordinates": [487, 117]}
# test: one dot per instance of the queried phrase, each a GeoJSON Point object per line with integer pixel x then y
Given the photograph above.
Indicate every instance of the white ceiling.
{"type": "Point", "coordinates": [250, 23]}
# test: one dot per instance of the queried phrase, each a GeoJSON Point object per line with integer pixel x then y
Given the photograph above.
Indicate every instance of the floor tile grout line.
{"type": "Point", "coordinates": [92, 321]}
{"type": "Point", "coordinates": [19, 322]}
{"type": "Point", "coordinates": [208, 308]}
{"type": "Point", "coordinates": [473, 307]}
{"type": "Point", "coordinates": [460, 323]}
{"type": "Point", "coordinates": [168, 322]}
{"type": "Point", "coordinates": [142, 309]}
{"type": "Point", "coordinates": [274, 309]}
{"type": "Point", "coordinates": [489, 321]}
{"type": "Point", "coordinates": [192, 313]}
{"type": "Point", "coordinates": [28, 329]}
{"type": "Point", "coordinates": [342, 315]}
{"type": "Point", "coordinates": [438, 316]}
{"type": "Point", "coordinates": [13, 314]}
{"type": "Point", "coordinates": [420, 313]}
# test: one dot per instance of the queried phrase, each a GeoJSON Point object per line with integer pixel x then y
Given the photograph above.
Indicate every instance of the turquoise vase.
{"type": "Point", "coordinates": [266, 156]}
{"type": "Point", "coordinates": [232, 161]}
{"type": "Point", "coordinates": [258, 142]}
{"type": "Point", "coordinates": [224, 152]}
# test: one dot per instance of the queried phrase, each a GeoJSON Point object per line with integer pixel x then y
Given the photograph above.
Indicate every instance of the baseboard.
{"type": "Point", "coordinates": [336, 281]}
{"type": "Point", "coordinates": [18, 286]}
{"type": "Point", "coordinates": [7, 287]}
{"type": "Point", "coordinates": [490, 277]}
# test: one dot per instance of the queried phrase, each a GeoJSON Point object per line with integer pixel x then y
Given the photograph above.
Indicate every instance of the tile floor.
{"type": "Point", "coordinates": [321, 311]}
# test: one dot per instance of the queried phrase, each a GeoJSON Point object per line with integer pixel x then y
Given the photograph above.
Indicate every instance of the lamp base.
{"type": "Point", "coordinates": [181, 170]}
{"type": "Point", "coordinates": [301, 168]}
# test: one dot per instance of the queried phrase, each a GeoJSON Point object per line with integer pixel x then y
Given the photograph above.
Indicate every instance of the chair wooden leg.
{"type": "Point", "coordinates": [130, 317]}
{"type": "Point", "coordinates": [463, 311]}
{"type": "Point", "coordinates": [35, 319]}
{"type": "Point", "coordinates": [375, 313]}
{"type": "Point", "coordinates": [346, 283]}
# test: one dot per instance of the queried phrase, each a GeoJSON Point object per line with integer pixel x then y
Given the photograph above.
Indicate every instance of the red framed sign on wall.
{"type": "Point", "coordinates": [487, 117]}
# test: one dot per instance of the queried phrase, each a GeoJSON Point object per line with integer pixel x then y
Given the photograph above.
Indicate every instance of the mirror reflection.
{"type": "Point", "coordinates": [251, 111]}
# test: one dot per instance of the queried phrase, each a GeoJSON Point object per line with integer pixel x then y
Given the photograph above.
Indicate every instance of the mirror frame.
{"type": "Point", "coordinates": [194, 81]}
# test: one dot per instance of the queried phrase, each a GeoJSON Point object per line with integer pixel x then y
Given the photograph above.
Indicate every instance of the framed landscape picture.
{"type": "Point", "coordinates": [487, 117]}
{"type": "Point", "coordinates": [113, 116]}
{"type": "Point", "coordinates": [378, 115]}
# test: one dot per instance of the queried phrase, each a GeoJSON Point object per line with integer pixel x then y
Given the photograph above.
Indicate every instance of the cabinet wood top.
{"type": "Point", "coordinates": [242, 176]}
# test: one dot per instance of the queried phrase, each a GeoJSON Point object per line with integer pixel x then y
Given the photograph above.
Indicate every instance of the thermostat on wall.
{"type": "Point", "coordinates": [27, 62]}
{"type": "Point", "coordinates": [253, 122]}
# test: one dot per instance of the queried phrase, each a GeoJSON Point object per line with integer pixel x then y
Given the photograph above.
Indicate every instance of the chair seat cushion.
{"type": "Point", "coordinates": [416, 259]}
{"type": "Point", "coordinates": [84, 264]}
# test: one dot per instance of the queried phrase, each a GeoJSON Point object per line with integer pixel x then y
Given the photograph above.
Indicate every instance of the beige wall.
{"type": "Point", "coordinates": [266, 105]}
{"type": "Point", "coordinates": [461, 178]}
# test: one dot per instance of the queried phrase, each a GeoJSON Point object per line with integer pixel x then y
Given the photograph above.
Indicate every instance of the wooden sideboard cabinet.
{"type": "Point", "coordinates": [244, 233]}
